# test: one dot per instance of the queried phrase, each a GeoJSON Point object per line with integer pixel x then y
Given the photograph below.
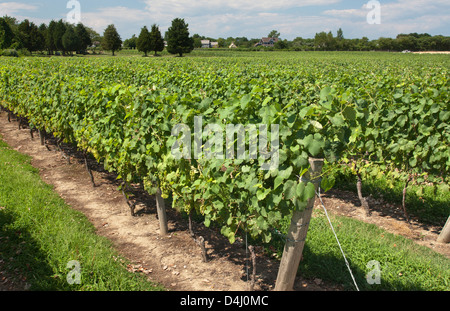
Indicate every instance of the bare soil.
{"type": "Point", "coordinates": [175, 260]}
{"type": "Point", "coordinates": [433, 52]}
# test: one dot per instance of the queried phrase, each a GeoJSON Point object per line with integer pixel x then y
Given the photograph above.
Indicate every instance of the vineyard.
{"type": "Point", "coordinates": [366, 116]}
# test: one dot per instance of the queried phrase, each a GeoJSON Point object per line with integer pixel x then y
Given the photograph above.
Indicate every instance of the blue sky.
{"type": "Point", "coordinates": [249, 18]}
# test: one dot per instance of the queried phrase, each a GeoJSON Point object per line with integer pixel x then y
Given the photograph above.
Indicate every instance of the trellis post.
{"type": "Point", "coordinates": [296, 236]}
{"type": "Point", "coordinates": [444, 236]}
{"type": "Point", "coordinates": [162, 216]}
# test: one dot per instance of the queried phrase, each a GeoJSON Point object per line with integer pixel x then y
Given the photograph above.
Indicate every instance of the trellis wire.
{"type": "Point", "coordinates": [335, 235]}
{"type": "Point", "coordinates": [286, 238]}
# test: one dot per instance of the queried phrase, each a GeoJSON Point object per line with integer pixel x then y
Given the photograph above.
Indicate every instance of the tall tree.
{"type": "Point", "coordinates": [281, 44]}
{"type": "Point", "coordinates": [6, 34]}
{"type": "Point", "coordinates": [156, 40]}
{"type": "Point", "coordinates": [50, 37]}
{"type": "Point", "coordinates": [222, 43]}
{"type": "Point", "coordinates": [273, 34]}
{"type": "Point", "coordinates": [130, 43]}
{"type": "Point", "coordinates": [30, 36]}
{"type": "Point", "coordinates": [70, 40]}
{"type": "Point", "coordinates": [331, 42]}
{"type": "Point", "coordinates": [95, 36]}
{"type": "Point", "coordinates": [143, 42]}
{"type": "Point", "coordinates": [60, 30]}
{"type": "Point", "coordinates": [320, 40]}
{"type": "Point", "coordinates": [178, 40]}
{"type": "Point", "coordinates": [42, 44]}
{"type": "Point", "coordinates": [84, 37]}
{"type": "Point", "coordinates": [340, 35]}
{"type": "Point", "coordinates": [111, 39]}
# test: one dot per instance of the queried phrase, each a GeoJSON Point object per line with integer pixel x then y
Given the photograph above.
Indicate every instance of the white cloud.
{"type": "Point", "coordinates": [225, 14]}
{"type": "Point", "coordinates": [348, 13]}
{"type": "Point", "coordinates": [253, 19]}
{"type": "Point", "coordinates": [12, 8]}
{"type": "Point", "coordinates": [198, 7]}
{"type": "Point", "coordinates": [218, 18]}
{"type": "Point", "coordinates": [400, 16]}
{"type": "Point", "coordinates": [119, 16]}
{"type": "Point", "coordinates": [20, 10]}
{"type": "Point", "coordinates": [413, 8]}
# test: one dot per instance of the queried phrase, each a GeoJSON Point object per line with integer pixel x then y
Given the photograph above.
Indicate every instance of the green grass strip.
{"type": "Point", "coordinates": [40, 234]}
{"type": "Point", "coordinates": [401, 264]}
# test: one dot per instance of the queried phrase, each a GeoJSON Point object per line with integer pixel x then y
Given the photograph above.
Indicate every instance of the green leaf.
{"type": "Point", "coordinates": [310, 191]}
{"type": "Point", "coordinates": [262, 223]}
{"type": "Point", "coordinates": [218, 204]}
{"type": "Point", "coordinates": [305, 191]}
{"type": "Point", "coordinates": [276, 198]}
{"type": "Point", "coordinates": [300, 190]}
{"type": "Point", "coordinates": [278, 181]}
{"type": "Point", "coordinates": [267, 100]}
{"type": "Point", "coordinates": [262, 193]}
{"type": "Point", "coordinates": [349, 113]}
{"type": "Point", "coordinates": [286, 173]}
{"type": "Point", "coordinates": [327, 183]}
{"type": "Point", "coordinates": [210, 110]}
{"type": "Point", "coordinates": [245, 100]}
{"type": "Point", "coordinates": [338, 120]}
{"type": "Point", "coordinates": [267, 236]}
{"type": "Point", "coordinates": [413, 162]}
{"type": "Point", "coordinates": [315, 146]}
{"type": "Point", "coordinates": [207, 221]}
{"type": "Point", "coordinates": [289, 189]}
{"type": "Point", "coordinates": [231, 238]}
{"type": "Point", "coordinates": [324, 93]}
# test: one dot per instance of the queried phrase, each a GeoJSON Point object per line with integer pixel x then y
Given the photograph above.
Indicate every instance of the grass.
{"type": "Point", "coordinates": [40, 235]}
{"type": "Point", "coordinates": [403, 264]}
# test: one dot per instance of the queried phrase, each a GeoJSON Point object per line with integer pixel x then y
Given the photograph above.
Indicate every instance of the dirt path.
{"type": "Point", "coordinates": [175, 260]}
{"type": "Point", "coordinates": [387, 216]}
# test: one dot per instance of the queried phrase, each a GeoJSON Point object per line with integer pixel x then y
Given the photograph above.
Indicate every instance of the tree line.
{"type": "Point", "coordinates": [413, 42]}
{"type": "Point", "coordinates": [326, 41]}
{"type": "Point", "coordinates": [65, 38]}
{"type": "Point", "coordinates": [57, 36]}
{"type": "Point", "coordinates": [60, 37]}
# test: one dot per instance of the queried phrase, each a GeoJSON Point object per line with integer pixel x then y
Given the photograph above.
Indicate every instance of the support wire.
{"type": "Point", "coordinates": [335, 235]}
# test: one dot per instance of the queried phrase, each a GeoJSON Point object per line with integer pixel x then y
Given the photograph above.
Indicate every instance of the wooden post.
{"type": "Point", "coordinates": [444, 236]}
{"type": "Point", "coordinates": [42, 136]}
{"type": "Point", "coordinates": [88, 169]}
{"type": "Point", "coordinates": [162, 216]}
{"type": "Point", "coordinates": [251, 248]}
{"type": "Point", "coordinates": [296, 237]}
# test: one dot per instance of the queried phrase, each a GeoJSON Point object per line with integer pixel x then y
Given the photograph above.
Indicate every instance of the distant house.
{"type": "Point", "coordinates": [232, 46]}
{"type": "Point", "coordinates": [208, 44]}
{"type": "Point", "coordinates": [267, 42]}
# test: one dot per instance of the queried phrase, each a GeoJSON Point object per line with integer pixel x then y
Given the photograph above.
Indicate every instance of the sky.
{"type": "Point", "coordinates": [247, 18]}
